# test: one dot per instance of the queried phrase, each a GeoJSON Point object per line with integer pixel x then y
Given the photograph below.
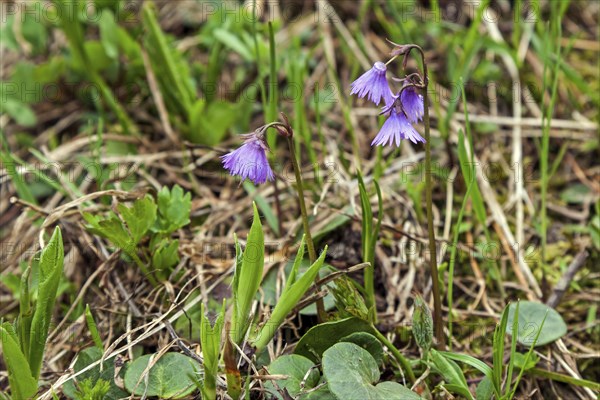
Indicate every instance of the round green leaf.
{"type": "Point", "coordinates": [531, 316]}
{"type": "Point", "coordinates": [170, 377]}
{"type": "Point", "coordinates": [368, 342]}
{"type": "Point", "coordinates": [321, 337]}
{"type": "Point", "coordinates": [352, 373]}
{"type": "Point", "coordinates": [296, 368]}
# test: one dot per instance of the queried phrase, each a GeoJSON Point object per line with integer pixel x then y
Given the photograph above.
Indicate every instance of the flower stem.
{"type": "Point", "coordinates": [308, 237]}
{"type": "Point", "coordinates": [437, 306]}
{"type": "Point", "coordinates": [397, 355]}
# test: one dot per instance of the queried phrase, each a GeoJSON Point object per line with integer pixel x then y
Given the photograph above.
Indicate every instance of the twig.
{"type": "Point", "coordinates": [565, 280]}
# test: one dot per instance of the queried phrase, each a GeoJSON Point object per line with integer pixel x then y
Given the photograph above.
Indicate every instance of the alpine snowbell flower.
{"type": "Point", "coordinates": [396, 128]}
{"type": "Point", "coordinates": [250, 160]}
{"type": "Point", "coordinates": [412, 104]}
{"type": "Point", "coordinates": [373, 85]}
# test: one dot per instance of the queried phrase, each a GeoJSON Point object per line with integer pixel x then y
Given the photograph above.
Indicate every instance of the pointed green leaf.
{"type": "Point", "coordinates": [22, 384]}
{"type": "Point", "coordinates": [51, 267]}
{"type": "Point", "coordinates": [248, 276]}
{"type": "Point", "coordinates": [289, 299]}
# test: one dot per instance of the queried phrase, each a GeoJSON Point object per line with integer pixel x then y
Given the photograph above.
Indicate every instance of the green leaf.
{"type": "Point", "coordinates": [51, 267]}
{"type": "Point", "coordinates": [210, 340]}
{"type": "Point", "coordinates": [170, 377]}
{"type": "Point", "coordinates": [139, 218]}
{"type": "Point", "coordinates": [451, 373]}
{"type": "Point", "coordinates": [170, 69]}
{"type": "Point", "coordinates": [352, 373]}
{"type": "Point", "coordinates": [288, 300]}
{"type": "Point", "coordinates": [498, 352]}
{"type": "Point", "coordinates": [531, 315]}
{"type": "Point", "coordinates": [522, 362]}
{"type": "Point", "coordinates": [22, 384]}
{"type": "Point", "coordinates": [174, 209]}
{"type": "Point", "coordinates": [91, 323]}
{"type": "Point", "coordinates": [295, 367]}
{"type": "Point", "coordinates": [247, 277]}
{"type": "Point", "coordinates": [472, 361]}
{"type": "Point", "coordinates": [217, 117]}
{"type": "Point", "coordinates": [485, 389]}
{"type": "Point", "coordinates": [111, 228]}
{"type": "Point", "coordinates": [367, 342]}
{"type": "Point", "coordinates": [109, 33]}
{"type": "Point", "coordinates": [89, 356]}
{"type": "Point", "coordinates": [234, 43]}
{"type": "Point", "coordinates": [575, 194]}
{"type": "Point", "coordinates": [21, 112]}
{"type": "Point", "coordinates": [321, 337]}
{"type": "Point", "coordinates": [10, 162]}
{"type": "Point", "coordinates": [165, 257]}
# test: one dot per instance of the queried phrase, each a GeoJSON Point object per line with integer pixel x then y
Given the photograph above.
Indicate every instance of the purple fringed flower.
{"type": "Point", "coordinates": [373, 85]}
{"type": "Point", "coordinates": [250, 160]}
{"type": "Point", "coordinates": [395, 129]}
{"type": "Point", "coordinates": [412, 104]}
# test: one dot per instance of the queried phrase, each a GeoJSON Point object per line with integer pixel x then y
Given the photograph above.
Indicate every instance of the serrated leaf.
{"type": "Point", "coordinates": [89, 356]}
{"type": "Point", "coordinates": [170, 377]}
{"type": "Point", "coordinates": [139, 217]}
{"type": "Point", "coordinates": [111, 228]}
{"type": "Point", "coordinates": [174, 209]}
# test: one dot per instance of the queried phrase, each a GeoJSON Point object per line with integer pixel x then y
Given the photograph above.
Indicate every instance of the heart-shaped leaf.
{"type": "Point", "coordinates": [531, 315]}
{"type": "Point", "coordinates": [352, 373]}
{"type": "Point", "coordinates": [171, 376]}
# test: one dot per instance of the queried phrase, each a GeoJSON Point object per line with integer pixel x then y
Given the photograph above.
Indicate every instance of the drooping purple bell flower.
{"type": "Point", "coordinates": [396, 128]}
{"type": "Point", "coordinates": [412, 104]}
{"type": "Point", "coordinates": [250, 160]}
{"type": "Point", "coordinates": [373, 85]}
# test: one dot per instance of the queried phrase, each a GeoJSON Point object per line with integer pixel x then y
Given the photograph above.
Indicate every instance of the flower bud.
{"type": "Point", "coordinates": [422, 324]}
